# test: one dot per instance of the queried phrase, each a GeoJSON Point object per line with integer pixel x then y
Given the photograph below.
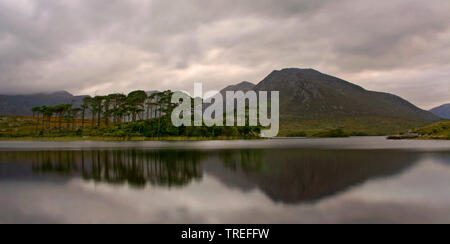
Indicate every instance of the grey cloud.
{"type": "Point", "coordinates": [115, 46]}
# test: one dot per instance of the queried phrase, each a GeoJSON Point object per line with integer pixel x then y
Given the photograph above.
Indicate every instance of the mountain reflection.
{"type": "Point", "coordinates": [295, 176]}
{"type": "Point", "coordinates": [289, 176]}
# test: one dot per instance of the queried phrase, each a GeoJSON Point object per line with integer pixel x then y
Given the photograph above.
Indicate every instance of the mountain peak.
{"type": "Point", "coordinates": [65, 93]}
{"type": "Point", "coordinates": [61, 93]}
{"type": "Point", "coordinates": [299, 70]}
{"type": "Point", "coordinates": [245, 83]}
{"type": "Point", "coordinates": [292, 78]}
{"type": "Point", "coordinates": [242, 86]}
{"type": "Point", "coordinates": [295, 71]}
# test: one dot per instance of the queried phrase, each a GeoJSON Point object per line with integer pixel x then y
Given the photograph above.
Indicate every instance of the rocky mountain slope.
{"type": "Point", "coordinates": [309, 94]}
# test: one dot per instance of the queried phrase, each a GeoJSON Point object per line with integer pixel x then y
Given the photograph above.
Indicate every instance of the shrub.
{"type": "Point", "coordinates": [297, 134]}
{"type": "Point", "coordinates": [332, 133]}
{"type": "Point", "coordinates": [359, 134]}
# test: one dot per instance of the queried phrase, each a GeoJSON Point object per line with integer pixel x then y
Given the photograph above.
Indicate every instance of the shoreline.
{"type": "Point", "coordinates": [118, 139]}
{"type": "Point", "coordinates": [186, 139]}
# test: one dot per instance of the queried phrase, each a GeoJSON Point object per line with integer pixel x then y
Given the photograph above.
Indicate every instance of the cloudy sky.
{"type": "Point", "coordinates": [101, 46]}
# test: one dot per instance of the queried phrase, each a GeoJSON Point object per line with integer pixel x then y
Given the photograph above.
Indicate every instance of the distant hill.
{"type": "Point", "coordinates": [442, 111]}
{"type": "Point", "coordinates": [22, 104]}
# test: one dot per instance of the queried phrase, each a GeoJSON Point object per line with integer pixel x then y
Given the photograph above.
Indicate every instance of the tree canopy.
{"type": "Point", "coordinates": [117, 115]}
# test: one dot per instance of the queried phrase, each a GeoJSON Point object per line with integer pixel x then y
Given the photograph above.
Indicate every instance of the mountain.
{"type": "Point", "coordinates": [442, 111]}
{"type": "Point", "coordinates": [311, 101]}
{"type": "Point", "coordinates": [22, 104]}
{"type": "Point", "coordinates": [309, 94]}
{"type": "Point", "coordinates": [244, 86]}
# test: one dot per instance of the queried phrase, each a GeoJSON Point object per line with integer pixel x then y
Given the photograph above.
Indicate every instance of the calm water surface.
{"type": "Point", "coordinates": [352, 180]}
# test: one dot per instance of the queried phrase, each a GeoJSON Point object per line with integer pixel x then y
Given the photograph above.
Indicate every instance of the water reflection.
{"type": "Point", "coordinates": [295, 176]}
{"type": "Point", "coordinates": [137, 168]}
{"type": "Point", "coordinates": [285, 175]}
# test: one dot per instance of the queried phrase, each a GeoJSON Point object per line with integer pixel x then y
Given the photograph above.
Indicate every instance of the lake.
{"type": "Point", "coordinates": [348, 180]}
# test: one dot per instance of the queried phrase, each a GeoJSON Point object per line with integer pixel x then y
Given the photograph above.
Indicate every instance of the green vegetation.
{"type": "Point", "coordinates": [16, 126]}
{"type": "Point", "coordinates": [114, 117]}
{"type": "Point", "coordinates": [344, 127]}
{"type": "Point", "coordinates": [32, 128]}
{"type": "Point", "coordinates": [332, 133]}
{"type": "Point", "coordinates": [440, 130]}
{"type": "Point", "coordinates": [297, 134]}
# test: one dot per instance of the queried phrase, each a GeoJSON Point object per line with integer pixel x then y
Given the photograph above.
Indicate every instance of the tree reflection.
{"type": "Point", "coordinates": [57, 162]}
{"type": "Point", "coordinates": [135, 167]}
{"type": "Point", "coordinates": [246, 160]}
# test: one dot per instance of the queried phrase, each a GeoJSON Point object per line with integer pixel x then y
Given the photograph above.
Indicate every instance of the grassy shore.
{"type": "Point", "coordinates": [25, 129]}
{"type": "Point", "coordinates": [17, 128]}
{"type": "Point", "coordinates": [343, 127]}
{"type": "Point", "coordinates": [436, 131]}
{"type": "Point", "coordinates": [118, 139]}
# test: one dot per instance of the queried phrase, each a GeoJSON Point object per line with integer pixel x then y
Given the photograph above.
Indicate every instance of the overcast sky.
{"type": "Point", "coordinates": [102, 46]}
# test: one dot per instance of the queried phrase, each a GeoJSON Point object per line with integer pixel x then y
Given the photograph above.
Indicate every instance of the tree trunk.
{"type": "Point", "coordinates": [99, 115]}
{"type": "Point", "coordinates": [93, 120]}
{"type": "Point", "coordinates": [49, 122]}
{"type": "Point", "coordinates": [37, 123]}
{"type": "Point", "coordinates": [82, 118]}
{"type": "Point", "coordinates": [60, 121]}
